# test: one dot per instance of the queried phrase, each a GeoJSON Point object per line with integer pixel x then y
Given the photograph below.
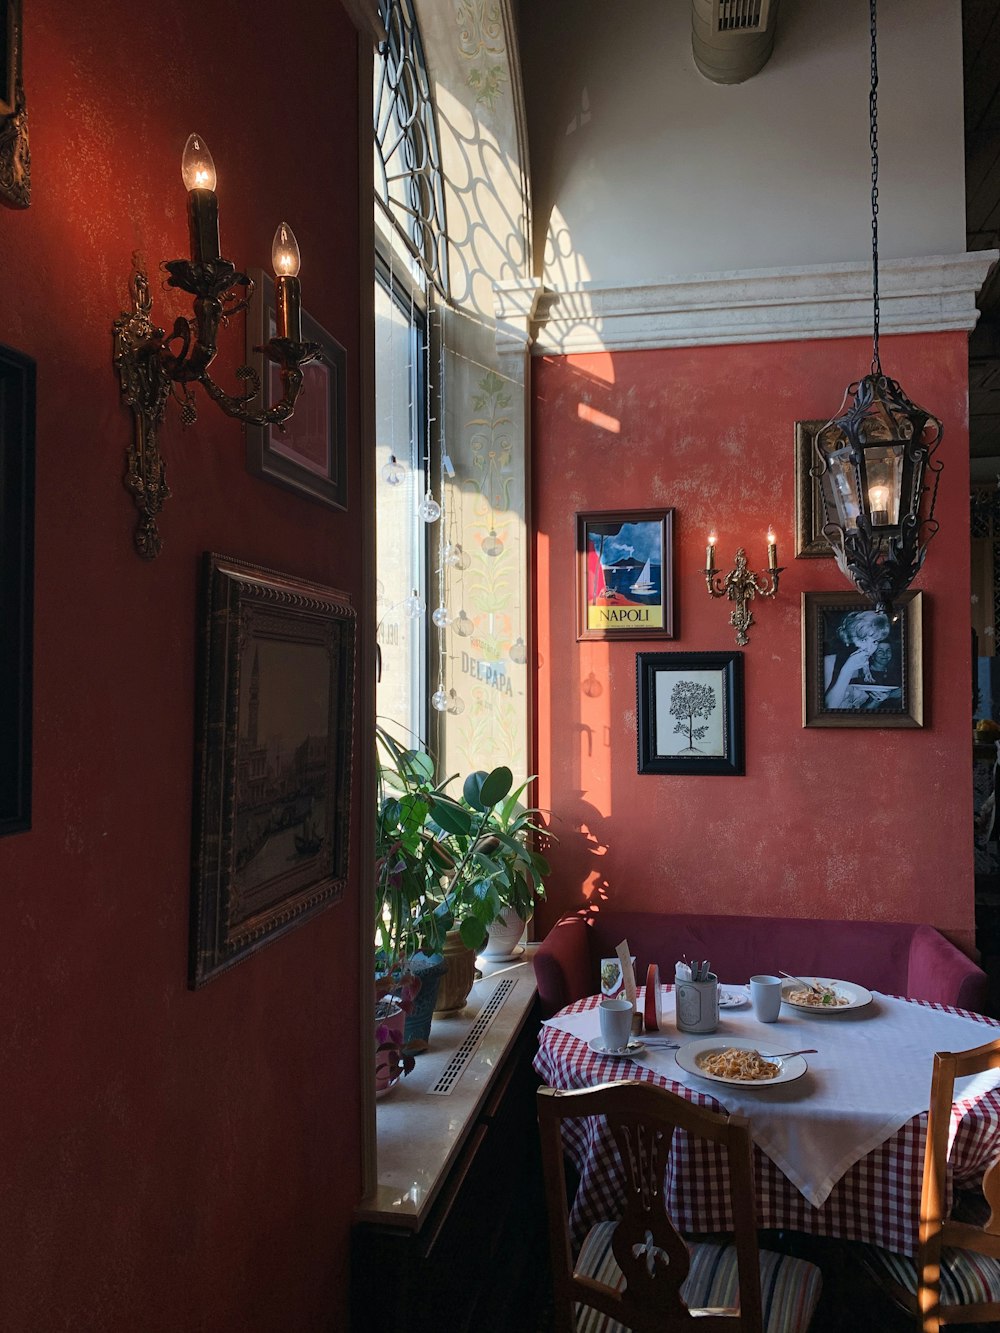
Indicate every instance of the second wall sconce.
{"type": "Point", "coordinates": [150, 363]}
{"type": "Point", "coordinates": [741, 585]}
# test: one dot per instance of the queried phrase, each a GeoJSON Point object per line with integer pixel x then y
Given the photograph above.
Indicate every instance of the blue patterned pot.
{"type": "Point", "coordinates": [430, 968]}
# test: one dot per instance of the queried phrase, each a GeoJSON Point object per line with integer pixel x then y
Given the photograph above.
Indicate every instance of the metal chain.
{"type": "Point", "coordinates": [873, 139]}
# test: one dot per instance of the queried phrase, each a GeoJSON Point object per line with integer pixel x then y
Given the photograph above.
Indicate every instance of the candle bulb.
{"type": "Point", "coordinates": [710, 552]}
{"type": "Point", "coordinates": [198, 173]}
{"type": "Point", "coordinates": [772, 550]}
{"type": "Point", "coordinates": [287, 290]}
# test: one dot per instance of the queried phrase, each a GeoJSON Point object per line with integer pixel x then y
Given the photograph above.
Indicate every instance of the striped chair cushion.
{"type": "Point", "coordinates": [966, 1278]}
{"type": "Point", "coordinates": [790, 1287]}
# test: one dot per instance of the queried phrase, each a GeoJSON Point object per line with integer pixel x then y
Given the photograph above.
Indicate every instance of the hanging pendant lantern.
{"type": "Point", "coordinates": [875, 460]}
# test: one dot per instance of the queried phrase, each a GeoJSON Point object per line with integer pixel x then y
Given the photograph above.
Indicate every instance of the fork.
{"type": "Point", "coordinates": [809, 985]}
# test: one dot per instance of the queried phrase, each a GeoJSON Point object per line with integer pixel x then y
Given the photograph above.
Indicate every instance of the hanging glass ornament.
{"type": "Point", "coordinates": [393, 473]}
{"type": "Point", "coordinates": [452, 554]}
{"type": "Point", "coordinates": [439, 699]}
{"type": "Point", "coordinates": [463, 625]}
{"type": "Point", "coordinates": [456, 705]}
{"type": "Point", "coordinates": [493, 544]}
{"type": "Point", "coordinates": [429, 509]}
{"type": "Point", "coordinates": [414, 605]}
{"type": "Point", "coordinates": [519, 651]}
{"type": "Point", "coordinates": [441, 617]}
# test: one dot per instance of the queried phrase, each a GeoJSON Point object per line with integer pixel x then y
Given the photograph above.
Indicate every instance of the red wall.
{"type": "Point", "coordinates": [835, 823]}
{"type": "Point", "coordinates": [171, 1160]}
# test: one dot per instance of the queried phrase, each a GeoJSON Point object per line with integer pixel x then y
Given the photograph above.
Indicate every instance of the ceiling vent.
{"type": "Point", "coordinates": [732, 39]}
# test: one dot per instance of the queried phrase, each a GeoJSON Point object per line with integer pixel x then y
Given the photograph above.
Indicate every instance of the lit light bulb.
{"type": "Point", "coordinates": [456, 705]}
{"type": "Point", "coordinates": [197, 166]}
{"type": "Point", "coordinates": [519, 651]}
{"type": "Point", "coordinates": [428, 509]}
{"type": "Point", "coordinates": [464, 625]}
{"type": "Point", "coordinates": [442, 617]}
{"type": "Point", "coordinates": [285, 252]}
{"type": "Point", "coordinates": [414, 605]}
{"type": "Point", "coordinates": [393, 472]}
{"type": "Point", "coordinates": [878, 504]}
{"type": "Point", "coordinates": [493, 544]}
{"type": "Point", "coordinates": [439, 699]}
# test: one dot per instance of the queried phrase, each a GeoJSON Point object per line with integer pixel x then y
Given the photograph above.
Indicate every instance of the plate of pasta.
{"type": "Point", "coordinates": [738, 1061]}
{"type": "Point", "coordinates": [825, 995]}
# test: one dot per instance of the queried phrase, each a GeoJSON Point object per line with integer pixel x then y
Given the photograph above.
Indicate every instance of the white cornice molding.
{"type": "Point", "coordinates": [930, 294]}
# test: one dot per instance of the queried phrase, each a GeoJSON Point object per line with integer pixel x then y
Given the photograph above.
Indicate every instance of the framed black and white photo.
{"type": "Point", "coordinates": [690, 713]}
{"type": "Point", "coordinates": [861, 668]}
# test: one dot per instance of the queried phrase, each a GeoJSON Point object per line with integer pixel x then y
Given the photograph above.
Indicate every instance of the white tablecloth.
{"type": "Point", "coordinates": [870, 1075]}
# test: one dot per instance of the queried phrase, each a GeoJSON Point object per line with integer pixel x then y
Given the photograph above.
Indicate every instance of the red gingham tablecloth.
{"type": "Point", "coordinates": [877, 1200]}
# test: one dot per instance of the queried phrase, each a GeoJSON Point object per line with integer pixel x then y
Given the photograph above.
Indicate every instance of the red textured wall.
{"type": "Point", "coordinates": [171, 1160]}
{"type": "Point", "coordinates": [848, 824]}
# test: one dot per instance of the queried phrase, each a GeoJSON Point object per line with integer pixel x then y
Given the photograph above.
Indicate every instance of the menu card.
{"type": "Point", "coordinates": [628, 980]}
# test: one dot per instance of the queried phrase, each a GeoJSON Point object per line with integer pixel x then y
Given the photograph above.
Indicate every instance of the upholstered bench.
{"type": "Point", "coordinates": [891, 956]}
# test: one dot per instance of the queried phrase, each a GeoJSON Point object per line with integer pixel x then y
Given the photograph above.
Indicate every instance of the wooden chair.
{"type": "Point", "coordinates": [638, 1273]}
{"type": "Point", "coordinates": [955, 1277]}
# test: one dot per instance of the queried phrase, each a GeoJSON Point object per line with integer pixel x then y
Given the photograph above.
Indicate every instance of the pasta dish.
{"type": "Point", "coordinates": [735, 1063]}
{"type": "Point", "coordinates": [821, 995]}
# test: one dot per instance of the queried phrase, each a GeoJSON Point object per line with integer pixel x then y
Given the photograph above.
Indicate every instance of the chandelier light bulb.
{"type": "Point", "coordinates": [285, 252]}
{"type": "Point", "coordinates": [493, 544]}
{"type": "Point", "coordinates": [393, 472]}
{"type": "Point", "coordinates": [429, 509]}
{"type": "Point", "coordinates": [439, 699]}
{"type": "Point", "coordinates": [463, 625]}
{"type": "Point", "coordinates": [197, 167]}
{"type": "Point", "coordinates": [414, 605]}
{"type": "Point", "coordinates": [441, 617]}
{"type": "Point", "coordinates": [519, 651]}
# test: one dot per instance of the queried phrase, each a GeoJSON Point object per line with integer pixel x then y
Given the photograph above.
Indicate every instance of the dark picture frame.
{"type": "Point", "coordinates": [860, 669]}
{"type": "Point", "coordinates": [689, 709]}
{"type": "Point", "coordinates": [274, 749]}
{"type": "Point", "coordinates": [17, 545]}
{"type": "Point", "coordinates": [15, 156]}
{"type": "Point", "coordinates": [809, 540]}
{"type": "Point", "coordinates": [625, 574]}
{"type": "Point", "coordinates": [310, 455]}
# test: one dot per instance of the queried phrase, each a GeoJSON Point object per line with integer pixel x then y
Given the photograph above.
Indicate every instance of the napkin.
{"type": "Point", "coordinates": [628, 972]}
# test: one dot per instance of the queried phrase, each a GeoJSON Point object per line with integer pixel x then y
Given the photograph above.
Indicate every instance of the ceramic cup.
{"type": "Point", "coordinates": [765, 996]}
{"type": "Point", "coordinates": [616, 1023]}
{"type": "Point", "coordinates": [698, 1004]}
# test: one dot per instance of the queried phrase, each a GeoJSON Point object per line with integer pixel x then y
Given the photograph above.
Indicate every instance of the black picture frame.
{"type": "Point", "coordinates": [894, 694]}
{"type": "Point", "coordinates": [310, 455]}
{"type": "Point", "coordinates": [630, 595]}
{"type": "Point", "coordinates": [274, 753]}
{"type": "Point", "coordinates": [712, 685]}
{"type": "Point", "coordinates": [17, 544]}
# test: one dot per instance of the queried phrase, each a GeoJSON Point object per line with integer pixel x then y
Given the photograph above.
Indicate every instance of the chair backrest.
{"type": "Point", "coordinates": [647, 1247]}
{"type": "Point", "coordinates": [936, 1229]}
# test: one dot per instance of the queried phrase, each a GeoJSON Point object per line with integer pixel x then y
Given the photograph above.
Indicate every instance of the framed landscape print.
{"type": "Point", "coordinates": [690, 713]}
{"type": "Point", "coordinates": [274, 744]}
{"type": "Point", "coordinates": [310, 455]}
{"type": "Point", "coordinates": [859, 667]}
{"type": "Point", "coordinates": [624, 574]}
{"type": "Point", "coordinates": [17, 519]}
{"type": "Point", "coordinates": [809, 539]}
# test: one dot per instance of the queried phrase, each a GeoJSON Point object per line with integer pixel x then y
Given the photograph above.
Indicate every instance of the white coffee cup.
{"type": "Point", "coordinates": [616, 1023]}
{"type": "Point", "coordinates": [765, 996]}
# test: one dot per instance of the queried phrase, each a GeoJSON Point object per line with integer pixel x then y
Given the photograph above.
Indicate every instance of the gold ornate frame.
{"type": "Point", "coordinates": [809, 539]}
{"type": "Point", "coordinates": [15, 159]}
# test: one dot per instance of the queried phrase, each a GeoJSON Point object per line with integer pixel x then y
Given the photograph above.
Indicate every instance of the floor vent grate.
{"type": "Point", "coordinates": [456, 1066]}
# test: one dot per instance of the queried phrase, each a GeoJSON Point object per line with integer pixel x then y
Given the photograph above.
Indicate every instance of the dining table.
{"type": "Point", "coordinates": [838, 1145]}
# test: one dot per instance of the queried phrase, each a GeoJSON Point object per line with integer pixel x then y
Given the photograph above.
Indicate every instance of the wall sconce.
{"type": "Point", "coordinates": [740, 586]}
{"type": "Point", "coordinates": [150, 363]}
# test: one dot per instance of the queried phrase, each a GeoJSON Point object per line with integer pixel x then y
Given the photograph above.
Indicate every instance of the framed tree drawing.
{"type": "Point", "coordinates": [690, 713]}
{"type": "Point", "coordinates": [274, 753]}
{"type": "Point", "coordinates": [624, 574]}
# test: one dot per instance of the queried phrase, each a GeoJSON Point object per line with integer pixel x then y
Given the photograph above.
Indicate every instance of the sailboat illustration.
{"type": "Point", "coordinates": [644, 583]}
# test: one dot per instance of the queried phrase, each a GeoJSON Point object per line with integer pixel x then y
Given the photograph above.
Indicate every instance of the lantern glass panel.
{"type": "Point", "coordinates": [840, 498]}
{"type": "Point", "coordinates": [883, 466]}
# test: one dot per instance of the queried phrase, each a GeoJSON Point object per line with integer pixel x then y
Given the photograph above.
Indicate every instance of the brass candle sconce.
{"type": "Point", "coordinates": [152, 365]}
{"type": "Point", "coordinates": [740, 586]}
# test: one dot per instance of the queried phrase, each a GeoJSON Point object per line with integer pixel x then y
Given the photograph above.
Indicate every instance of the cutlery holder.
{"type": "Point", "coordinates": [698, 1005]}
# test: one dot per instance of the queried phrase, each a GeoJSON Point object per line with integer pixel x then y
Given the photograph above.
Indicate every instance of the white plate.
{"type": "Point", "coordinates": [857, 997]}
{"type": "Point", "coordinates": [733, 997]}
{"type": "Point", "coordinates": [789, 1067]}
{"type": "Point", "coordinates": [633, 1048]}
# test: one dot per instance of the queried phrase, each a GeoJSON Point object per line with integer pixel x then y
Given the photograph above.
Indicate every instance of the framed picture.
{"type": "Point", "coordinates": [625, 574]}
{"type": "Point", "coordinates": [859, 668]}
{"type": "Point", "coordinates": [17, 522]}
{"type": "Point", "coordinates": [15, 157]}
{"type": "Point", "coordinates": [809, 539]}
{"type": "Point", "coordinates": [310, 455]}
{"type": "Point", "coordinates": [274, 754]}
{"type": "Point", "coordinates": [690, 713]}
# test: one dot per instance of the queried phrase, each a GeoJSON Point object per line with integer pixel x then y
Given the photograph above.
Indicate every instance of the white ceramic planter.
{"type": "Point", "coordinates": [504, 940]}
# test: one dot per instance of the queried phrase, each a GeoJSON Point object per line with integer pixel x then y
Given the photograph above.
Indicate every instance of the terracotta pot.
{"type": "Point", "coordinates": [454, 986]}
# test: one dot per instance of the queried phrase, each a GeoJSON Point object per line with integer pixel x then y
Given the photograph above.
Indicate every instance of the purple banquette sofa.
{"type": "Point", "coordinates": [894, 957]}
